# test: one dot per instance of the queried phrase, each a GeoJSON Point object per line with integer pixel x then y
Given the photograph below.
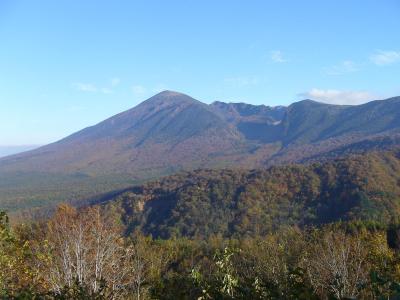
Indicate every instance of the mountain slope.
{"type": "Point", "coordinates": [309, 121]}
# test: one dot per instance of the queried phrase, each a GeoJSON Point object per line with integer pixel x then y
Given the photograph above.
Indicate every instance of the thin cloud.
{"type": "Point", "coordinates": [115, 81]}
{"type": "Point", "coordinates": [139, 90]}
{"type": "Point", "coordinates": [92, 88]}
{"type": "Point", "coordinates": [344, 67]}
{"type": "Point", "coordinates": [241, 81]}
{"type": "Point", "coordinates": [75, 108]}
{"type": "Point", "coordinates": [106, 91]}
{"type": "Point", "coordinates": [277, 56]}
{"type": "Point", "coordinates": [160, 87]}
{"type": "Point", "coordinates": [331, 96]}
{"type": "Point", "coordinates": [382, 58]}
{"type": "Point", "coordinates": [85, 87]}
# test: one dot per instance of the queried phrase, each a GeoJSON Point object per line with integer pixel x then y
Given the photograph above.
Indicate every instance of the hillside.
{"type": "Point", "coordinates": [171, 132]}
{"type": "Point", "coordinates": [257, 202]}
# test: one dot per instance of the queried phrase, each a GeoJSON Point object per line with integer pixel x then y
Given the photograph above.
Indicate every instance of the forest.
{"type": "Point", "coordinates": [249, 203]}
{"type": "Point", "coordinates": [83, 254]}
{"type": "Point", "coordinates": [320, 231]}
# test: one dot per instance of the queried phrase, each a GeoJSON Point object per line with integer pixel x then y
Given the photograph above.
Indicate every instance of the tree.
{"type": "Point", "coordinates": [338, 266]}
{"type": "Point", "coordinates": [16, 274]}
{"type": "Point", "coordinates": [7, 262]}
{"type": "Point", "coordinates": [84, 248]}
{"type": "Point", "coordinates": [140, 262]}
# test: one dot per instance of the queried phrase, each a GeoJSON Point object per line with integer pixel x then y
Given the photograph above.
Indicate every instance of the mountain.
{"type": "Point", "coordinates": [167, 131]}
{"type": "Point", "coordinates": [171, 132]}
{"type": "Point", "coordinates": [244, 203]}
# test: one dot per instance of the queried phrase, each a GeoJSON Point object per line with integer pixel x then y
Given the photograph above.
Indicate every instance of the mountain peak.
{"type": "Point", "coordinates": [309, 101]}
{"type": "Point", "coordinates": [168, 97]}
{"type": "Point", "coordinates": [315, 102]}
{"type": "Point", "coordinates": [169, 93]}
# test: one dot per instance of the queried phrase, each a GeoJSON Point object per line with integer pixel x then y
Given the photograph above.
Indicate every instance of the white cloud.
{"type": "Point", "coordinates": [106, 91]}
{"type": "Point", "coordinates": [75, 108]}
{"type": "Point", "coordinates": [339, 97]}
{"type": "Point", "coordinates": [92, 88]}
{"type": "Point", "coordinates": [85, 87]}
{"type": "Point", "coordinates": [241, 81]}
{"type": "Point", "coordinates": [346, 66]}
{"type": "Point", "coordinates": [159, 88]}
{"type": "Point", "coordinates": [115, 81]}
{"type": "Point", "coordinates": [382, 58]}
{"type": "Point", "coordinates": [139, 90]}
{"type": "Point", "coordinates": [277, 56]}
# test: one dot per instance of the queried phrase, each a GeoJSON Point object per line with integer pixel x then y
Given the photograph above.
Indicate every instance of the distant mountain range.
{"type": "Point", "coordinates": [171, 132]}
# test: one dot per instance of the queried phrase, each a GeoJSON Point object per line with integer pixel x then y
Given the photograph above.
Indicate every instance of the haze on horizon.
{"type": "Point", "coordinates": [68, 64]}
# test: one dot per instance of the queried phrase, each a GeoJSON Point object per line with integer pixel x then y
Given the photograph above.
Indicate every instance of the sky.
{"type": "Point", "coordinates": [69, 64]}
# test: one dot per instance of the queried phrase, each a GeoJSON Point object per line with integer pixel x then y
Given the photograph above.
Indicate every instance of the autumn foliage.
{"type": "Point", "coordinates": [83, 254]}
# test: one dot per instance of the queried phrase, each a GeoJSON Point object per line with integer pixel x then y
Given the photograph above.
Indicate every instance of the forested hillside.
{"type": "Point", "coordinates": [250, 203]}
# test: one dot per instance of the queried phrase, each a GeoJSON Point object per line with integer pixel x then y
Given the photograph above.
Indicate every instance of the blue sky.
{"type": "Point", "coordinates": [68, 64]}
